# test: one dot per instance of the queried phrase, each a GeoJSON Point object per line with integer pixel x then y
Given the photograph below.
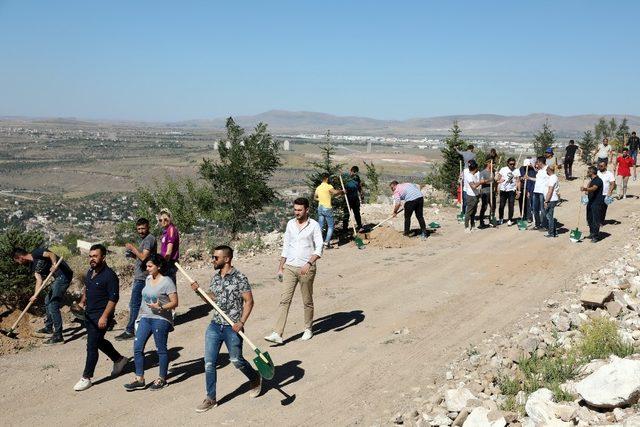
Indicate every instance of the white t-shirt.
{"type": "Point", "coordinates": [508, 177]}
{"type": "Point", "coordinates": [471, 177]}
{"type": "Point", "coordinates": [552, 181]}
{"type": "Point", "coordinates": [603, 151]}
{"type": "Point", "coordinates": [606, 177]}
{"type": "Point", "coordinates": [541, 181]}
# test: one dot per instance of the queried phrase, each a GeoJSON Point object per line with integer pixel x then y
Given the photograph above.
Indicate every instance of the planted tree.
{"type": "Point", "coordinates": [237, 185]}
{"type": "Point", "coordinates": [445, 175]}
{"type": "Point", "coordinates": [16, 281]}
{"type": "Point", "coordinates": [177, 195]}
{"type": "Point", "coordinates": [544, 139]}
{"type": "Point", "coordinates": [373, 182]}
{"type": "Point", "coordinates": [588, 145]}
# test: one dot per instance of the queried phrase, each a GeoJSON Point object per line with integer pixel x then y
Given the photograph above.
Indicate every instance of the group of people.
{"type": "Point", "coordinates": [535, 187]}
{"type": "Point", "coordinates": [154, 298]}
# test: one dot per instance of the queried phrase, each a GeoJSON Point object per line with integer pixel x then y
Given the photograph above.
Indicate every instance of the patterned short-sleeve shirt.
{"type": "Point", "coordinates": [228, 292]}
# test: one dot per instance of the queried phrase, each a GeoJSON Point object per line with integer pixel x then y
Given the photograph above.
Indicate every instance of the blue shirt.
{"type": "Point", "coordinates": [100, 289]}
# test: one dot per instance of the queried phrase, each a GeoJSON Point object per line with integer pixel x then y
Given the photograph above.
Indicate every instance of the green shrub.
{"type": "Point", "coordinates": [16, 281]}
{"type": "Point", "coordinates": [601, 339]}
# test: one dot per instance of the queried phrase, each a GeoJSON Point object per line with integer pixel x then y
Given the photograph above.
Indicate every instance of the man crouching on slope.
{"type": "Point", "coordinates": [230, 289]}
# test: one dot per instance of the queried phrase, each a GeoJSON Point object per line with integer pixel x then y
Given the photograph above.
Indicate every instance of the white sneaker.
{"type": "Point", "coordinates": [119, 366]}
{"type": "Point", "coordinates": [509, 223]}
{"type": "Point", "coordinates": [306, 335]}
{"type": "Point", "coordinates": [83, 384]}
{"type": "Point", "coordinates": [467, 230]}
{"type": "Point", "coordinates": [274, 337]}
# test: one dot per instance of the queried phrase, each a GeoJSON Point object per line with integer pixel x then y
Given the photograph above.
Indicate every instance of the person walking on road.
{"type": "Point", "coordinates": [99, 298]}
{"type": "Point", "coordinates": [594, 206]}
{"type": "Point", "coordinates": [41, 262]}
{"type": "Point", "coordinates": [634, 146]}
{"type": "Point", "coordinates": [603, 152]}
{"type": "Point", "coordinates": [145, 249]}
{"type": "Point", "coordinates": [323, 194]}
{"type": "Point", "coordinates": [551, 200]}
{"type": "Point", "coordinates": [413, 200]}
{"type": "Point", "coordinates": [160, 297]}
{"type": "Point", "coordinates": [608, 186]}
{"type": "Point", "coordinates": [169, 243]}
{"type": "Point", "coordinates": [509, 181]}
{"type": "Point", "coordinates": [539, 191]}
{"type": "Point", "coordinates": [301, 249]}
{"type": "Point", "coordinates": [623, 166]}
{"type": "Point", "coordinates": [569, 157]}
{"type": "Point", "coordinates": [231, 291]}
{"type": "Point", "coordinates": [472, 186]}
{"type": "Point", "coordinates": [353, 186]}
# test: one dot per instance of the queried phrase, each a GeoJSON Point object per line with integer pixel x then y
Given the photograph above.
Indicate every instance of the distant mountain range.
{"type": "Point", "coordinates": [293, 122]}
{"type": "Point", "coordinates": [479, 124]}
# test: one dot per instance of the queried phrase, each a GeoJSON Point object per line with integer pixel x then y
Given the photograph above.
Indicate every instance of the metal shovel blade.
{"type": "Point", "coordinates": [265, 368]}
{"type": "Point", "coordinates": [522, 224]}
{"type": "Point", "coordinates": [359, 242]}
{"type": "Point", "coordinates": [9, 332]}
{"type": "Point", "coordinates": [434, 225]}
{"type": "Point", "coordinates": [575, 235]}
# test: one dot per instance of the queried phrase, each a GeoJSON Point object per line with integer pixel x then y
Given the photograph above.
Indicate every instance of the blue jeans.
{"type": "Point", "coordinates": [326, 215]}
{"type": "Point", "coordinates": [134, 304]}
{"type": "Point", "coordinates": [53, 301]}
{"type": "Point", "coordinates": [539, 214]}
{"type": "Point", "coordinates": [550, 219]}
{"type": "Point", "coordinates": [160, 329]}
{"type": "Point", "coordinates": [214, 337]}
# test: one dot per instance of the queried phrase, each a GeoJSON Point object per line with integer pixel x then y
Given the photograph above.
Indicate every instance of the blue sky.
{"type": "Point", "coordinates": [174, 60]}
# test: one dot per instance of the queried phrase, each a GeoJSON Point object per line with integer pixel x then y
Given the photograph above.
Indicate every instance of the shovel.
{"type": "Point", "coordinates": [356, 238]}
{"type": "Point", "coordinates": [575, 235]}
{"type": "Point", "coordinates": [263, 361]}
{"type": "Point", "coordinates": [385, 220]}
{"type": "Point", "coordinates": [522, 224]}
{"type": "Point", "coordinates": [460, 216]}
{"type": "Point", "coordinates": [11, 332]}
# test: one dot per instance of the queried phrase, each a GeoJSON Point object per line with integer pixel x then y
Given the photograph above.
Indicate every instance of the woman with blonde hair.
{"type": "Point", "coordinates": [169, 243]}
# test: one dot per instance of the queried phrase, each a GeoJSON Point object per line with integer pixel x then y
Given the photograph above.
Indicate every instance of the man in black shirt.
{"type": "Point", "coordinates": [594, 207]}
{"type": "Point", "coordinates": [569, 156]}
{"type": "Point", "coordinates": [354, 195]}
{"type": "Point", "coordinates": [634, 145]}
{"type": "Point", "coordinates": [41, 262]}
{"type": "Point", "coordinates": [99, 298]}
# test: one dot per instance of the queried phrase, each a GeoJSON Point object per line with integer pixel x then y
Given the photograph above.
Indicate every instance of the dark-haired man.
{"type": "Point", "coordinates": [634, 145]}
{"type": "Point", "coordinates": [608, 186]}
{"type": "Point", "coordinates": [230, 289]}
{"type": "Point", "coordinates": [467, 155]}
{"type": "Point", "coordinates": [99, 298]}
{"type": "Point", "coordinates": [472, 187]}
{"type": "Point", "coordinates": [323, 195]}
{"type": "Point", "coordinates": [509, 180]}
{"type": "Point", "coordinates": [41, 262]}
{"type": "Point", "coordinates": [569, 156]}
{"type": "Point", "coordinates": [413, 200]}
{"type": "Point", "coordinates": [301, 249]}
{"type": "Point", "coordinates": [594, 206]}
{"type": "Point", "coordinates": [147, 246]}
{"type": "Point", "coordinates": [539, 191]}
{"type": "Point", "coordinates": [353, 186]}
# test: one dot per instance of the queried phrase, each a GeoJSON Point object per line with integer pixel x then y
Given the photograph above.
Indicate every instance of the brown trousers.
{"type": "Point", "coordinates": [290, 280]}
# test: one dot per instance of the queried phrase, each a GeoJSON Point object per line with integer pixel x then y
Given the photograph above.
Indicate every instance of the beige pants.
{"type": "Point", "coordinates": [290, 280]}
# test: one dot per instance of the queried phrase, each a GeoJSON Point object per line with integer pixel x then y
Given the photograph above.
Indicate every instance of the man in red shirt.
{"type": "Point", "coordinates": [623, 165]}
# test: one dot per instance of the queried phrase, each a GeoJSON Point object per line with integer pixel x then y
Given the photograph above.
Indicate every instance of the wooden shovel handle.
{"type": "Point", "coordinates": [44, 284]}
{"type": "Point", "coordinates": [385, 220]}
{"type": "Point", "coordinates": [346, 199]}
{"type": "Point", "coordinates": [218, 309]}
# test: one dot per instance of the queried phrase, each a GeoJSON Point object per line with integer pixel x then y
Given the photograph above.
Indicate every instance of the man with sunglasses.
{"type": "Point", "coordinates": [230, 289]}
{"type": "Point", "coordinates": [508, 178]}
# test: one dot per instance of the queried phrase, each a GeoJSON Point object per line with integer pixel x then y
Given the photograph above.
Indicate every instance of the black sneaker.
{"type": "Point", "coordinates": [135, 385]}
{"type": "Point", "coordinates": [158, 384]}
{"type": "Point", "coordinates": [56, 339]}
{"type": "Point", "coordinates": [44, 330]}
{"type": "Point", "coordinates": [126, 335]}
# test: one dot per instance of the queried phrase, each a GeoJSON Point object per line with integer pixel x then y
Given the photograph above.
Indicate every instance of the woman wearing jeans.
{"type": "Point", "coordinates": [159, 298]}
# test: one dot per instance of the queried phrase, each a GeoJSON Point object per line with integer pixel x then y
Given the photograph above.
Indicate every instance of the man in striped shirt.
{"type": "Point", "coordinates": [413, 203]}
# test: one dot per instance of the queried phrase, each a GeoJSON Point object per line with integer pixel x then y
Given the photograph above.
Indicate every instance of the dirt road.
{"type": "Point", "coordinates": [449, 292]}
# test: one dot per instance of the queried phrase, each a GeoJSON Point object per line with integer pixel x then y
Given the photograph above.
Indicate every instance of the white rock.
{"type": "Point", "coordinates": [456, 399]}
{"type": "Point", "coordinates": [540, 406]}
{"type": "Point", "coordinates": [618, 414]}
{"type": "Point", "coordinates": [633, 421]}
{"type": "Point", "coordinates": [441, 420]}
{"type": "Point", "coordinates": [612, 385]}
{"type": "Point", "coordinates": [479, 417]}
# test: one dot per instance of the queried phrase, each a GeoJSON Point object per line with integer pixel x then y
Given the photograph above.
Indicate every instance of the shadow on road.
{"type": "Point", "coordinates": [194, 313]}
{"type": "Point", "coordinates": [336, 322]}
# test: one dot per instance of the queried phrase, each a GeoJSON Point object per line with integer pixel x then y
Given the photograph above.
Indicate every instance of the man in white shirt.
{"type": "Point", "coordinates": [472, 185]}
{"type": "Point", "coordinates": [551, 200]}
{"type": "Point", "coordinates": [539, 191]}
{"type": "Point", "coordinates": [509, 180]}
{"type": "Point", "coordinates": [608, 185]}
{"type": "Point", "coordinates": [301, 248]}
{"type": "Point", "coordinates": [604, 151]}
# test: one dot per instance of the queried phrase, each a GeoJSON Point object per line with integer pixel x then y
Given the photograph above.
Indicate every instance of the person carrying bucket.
{"type": "Point", "coordinates": [594, 206]}
{"type": "Point", "coordinates": [230, 289]}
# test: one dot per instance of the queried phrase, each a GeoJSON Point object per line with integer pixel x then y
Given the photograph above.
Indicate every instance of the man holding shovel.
{"type": "Point", "coordinates": [301, 249]}
{"type": "Point", "coordinates": [353, 189]}
{"type": "Point", "coordinates": [41, 262]}
{"type": "Point", "coordinates": [413, 203]}
{"type": "Point", "coordinates": [231, 291]}
{"type": "Point", "coordinates": [594, 206]}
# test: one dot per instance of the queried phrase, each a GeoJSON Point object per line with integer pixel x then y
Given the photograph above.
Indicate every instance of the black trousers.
{"type": "Point", "coordinates": [484, 204]}
{"type": "Point", "coordinates": [414, 206]}
{"type": "Point", "coordinates": [95, 342]}
{"type": "Point", "coordinates": [568, 168]}
{"type": "Point", "coordinates": [603, 210]}
{"type": "Point", "coordinates": [594, 214]}
{"type": "Point", "coordinates": [510, 197]}
{"type": "Point", "coordinates": [355, 208]}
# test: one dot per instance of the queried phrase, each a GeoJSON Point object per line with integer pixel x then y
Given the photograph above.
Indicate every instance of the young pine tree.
{"type": "Point", "coordinates": [544, 139]}
{"type": "Point", "coordinates": [445, 175]}
{"type": "Point", "coordinates": [588, 145]}
{"type": "Point", "coordinates": [16, 281]}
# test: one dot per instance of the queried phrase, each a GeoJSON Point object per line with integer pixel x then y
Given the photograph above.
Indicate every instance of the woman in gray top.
{"type": "Point", "coordinates": [159, 298]}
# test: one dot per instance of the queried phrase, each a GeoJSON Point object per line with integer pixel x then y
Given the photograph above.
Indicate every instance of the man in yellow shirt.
{"type": "Point", "coordinates": [323, 195]}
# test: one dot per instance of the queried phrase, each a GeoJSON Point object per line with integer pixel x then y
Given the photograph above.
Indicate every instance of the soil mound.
{"type": "Point", "coordinates": [23, 332]}
{"type": "Point", "coordinates": [387, 237]}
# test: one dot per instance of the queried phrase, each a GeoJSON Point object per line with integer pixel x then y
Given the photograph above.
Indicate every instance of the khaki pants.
{"type": "Point", "coordinates": [290, 280]}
